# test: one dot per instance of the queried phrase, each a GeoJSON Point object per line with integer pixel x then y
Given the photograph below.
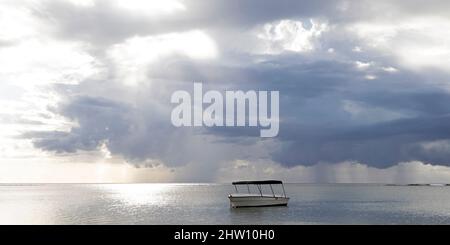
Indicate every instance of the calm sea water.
{"type": "Point", "coordinates": [208, 204]}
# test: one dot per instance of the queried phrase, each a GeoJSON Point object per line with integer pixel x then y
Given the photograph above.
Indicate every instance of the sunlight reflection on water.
{"type": "Point", "coordinates": [139, 194]}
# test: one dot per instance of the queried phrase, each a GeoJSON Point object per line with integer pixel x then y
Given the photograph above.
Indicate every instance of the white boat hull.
{"type": "Point", "coordinates": [237, 201]}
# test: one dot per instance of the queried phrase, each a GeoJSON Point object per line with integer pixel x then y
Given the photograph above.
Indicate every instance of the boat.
{"type": "Point", "coordinates": [259, 199]}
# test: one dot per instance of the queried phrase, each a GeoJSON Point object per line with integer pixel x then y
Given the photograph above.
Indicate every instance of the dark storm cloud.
{"type": "Point", "coordinates": [138, 131]}
{"type": "Point", "coordinates": [381, 145]}
{"type": "Point", "coordinates": [98, 119]}
{"type": "Point", "coordinates": [430, 103]}
{"type": "Point", "coordinates": [314, 127]}
{"type": "Point", "coordinates": [330, 111]}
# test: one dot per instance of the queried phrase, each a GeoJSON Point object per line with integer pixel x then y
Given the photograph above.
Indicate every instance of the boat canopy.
{"type": "Point", "coordinates": [258, 182]}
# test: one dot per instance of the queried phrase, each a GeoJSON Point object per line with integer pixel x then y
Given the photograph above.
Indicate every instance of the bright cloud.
{"type": "Point", "coordinates": [134, 55]}
{"type": "Point", "coordinates": [45, 61]}
{"type": "Point", "coordinates": [417, 42]}
{"type": "Point", "coordinates": [291, 35]}
{"type": "Point", "coordinates": [151, 8]}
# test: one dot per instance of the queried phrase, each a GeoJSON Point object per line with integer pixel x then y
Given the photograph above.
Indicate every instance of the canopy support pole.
{"type": "Point", "coordinates": [259, 188]}
{"type": "Point", "coordinates": [248, 188]}
{"type": "Point", "coordinates": [284, 192]}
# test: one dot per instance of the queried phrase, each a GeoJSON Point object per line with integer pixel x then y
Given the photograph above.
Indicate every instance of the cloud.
{"type": "Point", "coordinates": [363, 82]}
{"type": "Point", "coordinates": [290, 35]}
{"type": "Point", "coordinates": [132, 57]}
{"type": "Point", "coordinates": [362, 112]}
{"type": "Point", "coordinates": [416, 42]}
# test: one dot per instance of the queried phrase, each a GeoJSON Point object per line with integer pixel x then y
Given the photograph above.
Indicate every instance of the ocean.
{"type": "Point", "coordinates": [208, 204]}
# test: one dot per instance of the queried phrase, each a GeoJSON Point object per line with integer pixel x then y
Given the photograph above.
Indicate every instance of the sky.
{"type": "Point", "coordinates": [85, 90]}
